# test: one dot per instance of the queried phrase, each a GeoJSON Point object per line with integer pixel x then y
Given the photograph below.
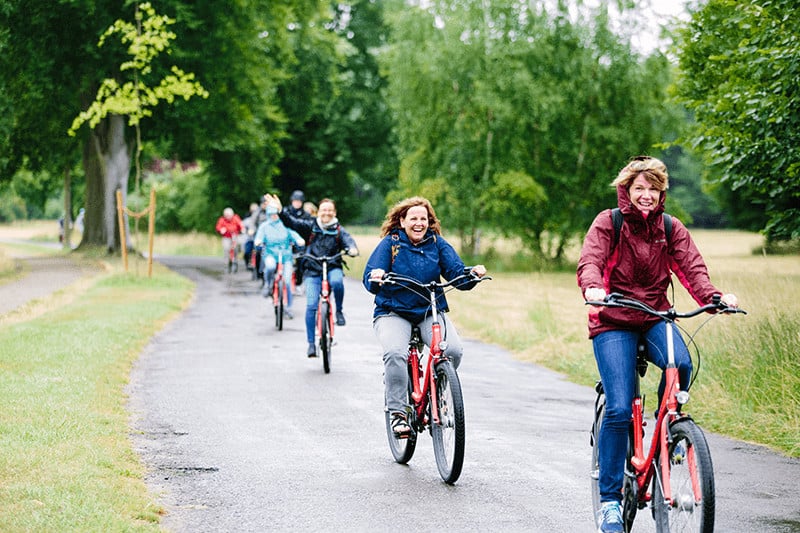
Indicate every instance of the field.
{"type": "Point", "coordinates": [748, 379]}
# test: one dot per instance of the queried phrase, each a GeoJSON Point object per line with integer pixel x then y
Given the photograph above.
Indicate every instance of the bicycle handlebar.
{"type": "Point", "coordinates": [616, 299]}
{"type": "Point", "coordinates": [399, 279]}
{"type": "Point", "coordinates": [327, 258]}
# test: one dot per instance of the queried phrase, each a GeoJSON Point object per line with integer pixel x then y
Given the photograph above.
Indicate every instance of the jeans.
{"type": "Point", "coordinates": [269, 266]}
{"type": "Point", "coordinates": [615, 353]}
{"type": "Point", "coordinates": [393, 333]}
{"type": "Point", "coordinates": [313, 285]}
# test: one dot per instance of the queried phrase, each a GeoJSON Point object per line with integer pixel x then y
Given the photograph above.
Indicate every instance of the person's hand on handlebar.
{"type": "Point", "coordinates": [478, 271]}
{"type": "Point", "coordinates": [730, 300]}
{"type": "Point", "coordinates": [594, 294]}
{"type": "Point", "coordinates": [376, 274]}
{"type": "Point", "coordinates": [352, 252]}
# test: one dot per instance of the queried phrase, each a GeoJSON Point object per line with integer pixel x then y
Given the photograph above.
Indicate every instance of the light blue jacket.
{"type": "Point", "coordinates": [277, 239]}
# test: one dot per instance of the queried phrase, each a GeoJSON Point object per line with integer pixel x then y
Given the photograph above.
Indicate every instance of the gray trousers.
{"type": "Point", "coordinates": [393, 333]}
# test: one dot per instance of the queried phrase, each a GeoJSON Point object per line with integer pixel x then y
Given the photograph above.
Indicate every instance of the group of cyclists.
{"type": "Point", "coordinates": [276, 233]}
{"type": "Point", "coordinates": [639, 263]}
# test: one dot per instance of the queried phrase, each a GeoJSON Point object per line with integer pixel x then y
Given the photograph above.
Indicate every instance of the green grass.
{"type": "Point", "coordinates": [748, 385]}
{"type": "Point", "coordinates": [66, 463]}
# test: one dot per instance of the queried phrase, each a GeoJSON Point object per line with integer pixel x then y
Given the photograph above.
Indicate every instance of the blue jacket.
{"type": "Point", "coordinates": [431, 259]}
{"type": "Point", "coordinates": [277, 239]}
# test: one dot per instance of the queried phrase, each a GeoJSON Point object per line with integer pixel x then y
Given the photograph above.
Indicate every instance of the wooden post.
{"type": "Point", "coordinates": [151, 230]}
{"type": "Point", "coordinates": [122, 230]}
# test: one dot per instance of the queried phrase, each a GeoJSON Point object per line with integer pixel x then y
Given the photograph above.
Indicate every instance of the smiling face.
{"type": "Point", "coordinates": [644, 195]}
{"type": "Point", "coordinates": [326, 212]}
{"type": "Point", "coordinates": [415, 223]}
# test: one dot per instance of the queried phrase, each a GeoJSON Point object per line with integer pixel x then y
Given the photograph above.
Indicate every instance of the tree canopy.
{"type": "Point", "coordinates": [516, 118]}
{"type": "Point", "coordinates": [739, 66]}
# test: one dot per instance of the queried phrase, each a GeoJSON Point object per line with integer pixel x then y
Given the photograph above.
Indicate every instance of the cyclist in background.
{"type": "Point", "coordinates": [639, 266]}
{"type": "Point", "coordinates": [250, 227]}
{"type": "Point", "coordinates": [324, 237]}
{"type": "Point", "coordinates": [229, 225]}
{"type": "Point", "coordinates": [297, 211]}
{"type": "Point", "coordinates": [276, 240]}
{"type": "Point", "coordinates": [412, 245]}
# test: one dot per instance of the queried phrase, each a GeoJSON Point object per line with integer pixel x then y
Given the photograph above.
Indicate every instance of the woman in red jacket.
{"type": "Point", "coordinates": [639, 266]}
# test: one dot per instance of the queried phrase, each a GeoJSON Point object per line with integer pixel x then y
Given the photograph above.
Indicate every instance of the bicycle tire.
{"type": "Point", "coordinates": [324, 336]}
{"type": "Point", "coordinates": [278, 303]}
{"type": "Point", "coordinates": [449, 434]}
{"type": "Point", "coordinates": [688, 451]}
{"type": "Point", "coordinates": [629, 488]}
{"type": "Point", "coordinates": [402, 449]}
{"type": "Point", "coordinates": [594, 467]}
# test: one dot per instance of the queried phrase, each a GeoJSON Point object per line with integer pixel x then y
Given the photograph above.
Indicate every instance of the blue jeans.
{"type": "Point", "coordinates": [615, 353]}
{"type": "Point", "coordinates": [313, 285]}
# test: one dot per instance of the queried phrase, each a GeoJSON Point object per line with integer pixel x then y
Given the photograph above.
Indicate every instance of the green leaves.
{"type": "Point", "coordinates": [739, 64]}
{"type": "Point", "coordinates": [148, 38]}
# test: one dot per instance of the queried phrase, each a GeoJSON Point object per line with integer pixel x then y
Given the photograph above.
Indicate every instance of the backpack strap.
{"type": "Point", "coordinates": [617, 219]}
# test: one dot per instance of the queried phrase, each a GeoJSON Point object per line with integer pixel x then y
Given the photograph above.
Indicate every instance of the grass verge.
{"type": "Point", "coordinates": [66, 462]}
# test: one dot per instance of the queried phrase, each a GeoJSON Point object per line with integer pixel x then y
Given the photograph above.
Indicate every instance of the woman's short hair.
{"type": "Point", "coordinates": [653, 170]}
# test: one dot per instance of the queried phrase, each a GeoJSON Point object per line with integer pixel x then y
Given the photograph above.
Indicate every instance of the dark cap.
{"type": "Point", "coordinates": [298, 195]}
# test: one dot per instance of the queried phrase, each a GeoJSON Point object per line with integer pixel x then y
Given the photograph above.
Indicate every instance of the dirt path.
{"type": "Point", "coordinates": [40, 277]}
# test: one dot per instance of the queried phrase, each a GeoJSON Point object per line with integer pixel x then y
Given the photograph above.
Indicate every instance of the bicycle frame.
{"type": "Point", "coordinates": [645, 466]}
{"type": "Point", "coordinates": [424, 389]}
{"type": "Point", "coordinates": [325, 297]}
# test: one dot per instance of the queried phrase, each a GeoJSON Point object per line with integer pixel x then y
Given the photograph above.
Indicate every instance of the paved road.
{"type": "Point", "coordinates": [241, 432]}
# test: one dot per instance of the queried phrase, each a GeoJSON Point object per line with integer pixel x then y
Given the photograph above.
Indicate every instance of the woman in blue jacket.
{"type": "Point", "coordinates": [412, 245]}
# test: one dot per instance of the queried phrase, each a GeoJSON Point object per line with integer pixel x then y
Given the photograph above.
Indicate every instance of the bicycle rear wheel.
{"type": "Point", "coordinates": [278, 303]}
{"type": "Point", "coordinates": [325, 335]}
{"type": "Point", "coordinates": [689, 459]}
{"type": "Point", "coordinates": [449, 434]}
{"type": "Point", "coordinates": [594, 467]}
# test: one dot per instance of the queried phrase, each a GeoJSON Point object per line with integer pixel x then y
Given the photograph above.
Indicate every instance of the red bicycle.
{"type": "Point", "coordinates": [233, 264]}
{"type": "Point", "coordinates": [677, 467]}
{"type": "Point", "coordinates": [325, 316]}
{"type": "Point", "coordinates": [280, 297]}
{"type": "Point", "coordinates": [434, 390]}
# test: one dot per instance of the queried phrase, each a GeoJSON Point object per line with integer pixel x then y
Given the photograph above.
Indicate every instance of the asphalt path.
{"type": "Point", "coordinates": [241, 432]}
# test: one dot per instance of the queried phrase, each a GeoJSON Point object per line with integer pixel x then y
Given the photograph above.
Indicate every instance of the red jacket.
{"type": "Point", "coordinates": [640, 266]}
{"type": "Point", "coordinates": [232, 227]}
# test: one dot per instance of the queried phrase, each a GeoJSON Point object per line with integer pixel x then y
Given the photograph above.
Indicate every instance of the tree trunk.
{"type": "Point", "coordinates": [67, 227]}
{"type": "Point", "coordinates": [107, 164]}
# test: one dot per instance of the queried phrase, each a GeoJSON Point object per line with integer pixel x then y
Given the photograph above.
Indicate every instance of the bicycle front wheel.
{"type": "Point", "coordinates": [325, 335]}
{"type": "Point", "coordinates": [449, 434]}
{"type": "Point", "coordinates": [691, 479]}
{"type": "Point", "coordinates": [278, 294]}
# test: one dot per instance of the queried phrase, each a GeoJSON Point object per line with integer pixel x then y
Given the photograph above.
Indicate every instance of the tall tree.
{"type": "Point", "coordinates": [233, 48]}
{"type": "Point", "coordinates": [518, 118]}
{"type": "Point", "coordinates": [338, 129]}
{"type": "Point", "coordinates": [739, 66]}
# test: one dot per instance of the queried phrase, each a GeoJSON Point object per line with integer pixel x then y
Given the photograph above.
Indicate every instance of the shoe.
{"type": "Point", "coordinates": [340, 318]}
{"type": "Point", "coordinates": [288, 314]}
{"type": "Point", "coordinates": [312, 350]}
{"type": "Point", "coordinates": [610, 518]}
{"type": "Point", "coordinates": [678, 453]}
{"type": "Point", "coordinates": [400, 426]}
